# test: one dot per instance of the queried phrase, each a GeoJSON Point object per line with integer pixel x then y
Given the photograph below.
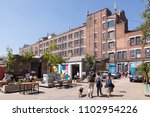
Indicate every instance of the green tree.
{"type": "Point", "coordinates": [89, 61]}
{"type": "Point", "coordinates": [144, 70]}
{"type": "Point", "coordinates": [27, 57]}
{"type": "Point", "coordinates": [10, 61]}
{"type": "Point", "coordinates": [145, 26]}
{"type": "Point", "coordinates": [51, 57]}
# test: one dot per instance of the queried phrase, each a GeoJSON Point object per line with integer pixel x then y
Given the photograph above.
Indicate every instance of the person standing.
{"type": "Point", "coordinates": [99, 84]}
{"type": "Point", "coordinates": [109, 85]}
{"type": "Point", "coordinates": [91, 82]}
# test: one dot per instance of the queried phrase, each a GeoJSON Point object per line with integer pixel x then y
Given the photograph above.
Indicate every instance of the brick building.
{"type": "Point", "coordinates": [104, 35]}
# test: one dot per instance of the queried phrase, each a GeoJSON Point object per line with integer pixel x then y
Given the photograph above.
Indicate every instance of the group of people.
{"type": "Point", "coordinates": [93, 78]}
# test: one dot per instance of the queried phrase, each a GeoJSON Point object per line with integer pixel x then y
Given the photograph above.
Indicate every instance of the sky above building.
{"type": "Point", "coordinates": [26, 21]}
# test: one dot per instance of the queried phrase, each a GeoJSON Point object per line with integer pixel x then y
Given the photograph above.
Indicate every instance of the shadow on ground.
{"type": "Point", "coordinates": [123, 92]}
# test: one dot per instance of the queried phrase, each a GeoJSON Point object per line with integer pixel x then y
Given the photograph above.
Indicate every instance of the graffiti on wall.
{"type": "Point", "coordinates": [62, 70]}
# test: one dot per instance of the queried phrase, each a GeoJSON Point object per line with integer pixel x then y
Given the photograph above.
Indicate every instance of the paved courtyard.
{"type": "Point", "coordinates": [124, 90]}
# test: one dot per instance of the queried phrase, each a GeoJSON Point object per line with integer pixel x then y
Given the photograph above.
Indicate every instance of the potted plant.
{"type": "Point", "coordinates": [144, 70]}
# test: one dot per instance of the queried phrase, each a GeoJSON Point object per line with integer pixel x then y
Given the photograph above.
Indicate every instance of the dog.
{"type": "Point", "coordinates": [80, 91]}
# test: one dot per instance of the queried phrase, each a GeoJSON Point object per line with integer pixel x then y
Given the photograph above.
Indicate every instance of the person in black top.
{"type": "Point", "coordinates": [91, 82]}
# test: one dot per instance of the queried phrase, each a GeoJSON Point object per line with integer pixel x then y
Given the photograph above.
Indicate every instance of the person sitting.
{"type": "Point", "coordinates": [7, 78]}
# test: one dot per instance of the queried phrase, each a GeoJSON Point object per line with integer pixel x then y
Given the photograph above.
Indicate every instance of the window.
{"type": "Point", "coordinates": [111, 34]}
{"type": "Point", "coordinates": [76, 34]}
{"type": "Point", "coordinates": [95, 21]}
{"type": "Point", "coordinates": [103, 17]}
{"type": "Point", "coordinates": [147, 52]}
{"type": "Point", "coordinates": [119, 55]}
{"type": "Point", "coordinates": [41, 46]}
{"type": "Point", "coordinates": [59, 53]}
{"type": "Point", "coordinates": [36, 52]}
{"type": "Point", "coordinates": [95, 53]}
{"type": "Point", "coordinates": [82, 33]}
{"type": "Point", "coordinates": [104, 36]}
{"type": "Point", "coordinates": [95, 45]}
{"type": "Point", "coordinates": [104, 26]}
{"type": "Point", "coordinates": [95, 36]}
{"type": "Point", "coordinates": [82, 41]}
{"type": "Point", "coordinates": [77, 51]}
{"type": "Point", "coordinates": [44, 44]}
{"type": "Point", "coordinates": [138, 41]}
{"type": "Point", "coordinates": [124, 55]}
{"type": "Point", "coordinates": [62, 46]}
{"type": "Point", "coordinates": [82, 50]}
{"type": "Point", "coordinates": [111, 56]}
{"type": "Point", "coordinates": [70, 44]}
{"type": "Point", "coordinates": [47, 49]}
{"type": "Point", "coordinates": [59, 40]}
{"type": "Point", "coordinates": [55, 41]}
{"type": "Point", "coordinates": [132, 54]}
{"type": "Point", "coordinates": [76, 42]}
{"type": "Point", "coordinates": [135, 53]}
{"type": "Point", "coordinates": [104, 55]}
{"type": "Point", "coordinates": [64, 38]}
{"type": "Point", "coordinates": [132, 41]}
{"type": "Point", "coordinates": [148, 39]}
{"type": "Point", "coordinates": [111, 45]}
{"type": "Point", "coordinates": [111, 23]}
{"type": "Point", "coordinates": [70, 52]}
{"type": "Point", "coordinates": [104, 46]}
{"type": "Point", "coordinates": [65, 45]}
{"type": "Point", "coordinates": [70, 36]}
{"type": "Point", "coordinates": [138, 53]}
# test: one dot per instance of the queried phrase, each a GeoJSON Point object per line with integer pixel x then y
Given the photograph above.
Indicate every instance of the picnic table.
{"type": "Point", "coordinates": [28, 86]}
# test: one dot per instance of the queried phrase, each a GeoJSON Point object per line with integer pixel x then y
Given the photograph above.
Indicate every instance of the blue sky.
{"type": "Point", "coordinates": [26, 21]}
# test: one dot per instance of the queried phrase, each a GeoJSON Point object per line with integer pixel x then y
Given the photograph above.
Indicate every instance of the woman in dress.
{"type": "Point", "coordinates": [109, 85]}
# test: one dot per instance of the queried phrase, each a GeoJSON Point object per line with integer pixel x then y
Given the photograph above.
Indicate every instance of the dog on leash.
{"type": "Point", "coordinates": [80, 91]}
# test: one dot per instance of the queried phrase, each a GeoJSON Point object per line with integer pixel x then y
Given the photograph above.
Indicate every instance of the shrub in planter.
{"type": "Point", "coordinates": [144, 69]}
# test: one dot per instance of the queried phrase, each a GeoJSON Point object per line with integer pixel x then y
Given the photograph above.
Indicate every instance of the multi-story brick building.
{"type": "Point", "coordinates": [104, 35]}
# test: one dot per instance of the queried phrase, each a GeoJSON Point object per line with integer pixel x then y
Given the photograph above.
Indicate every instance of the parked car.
{"type": "Point", "coordinates": [135, 77]}
{"type": "Point", "coordinates": [116, 75]}
{"type": "Point", "coordinates": [104, 74]}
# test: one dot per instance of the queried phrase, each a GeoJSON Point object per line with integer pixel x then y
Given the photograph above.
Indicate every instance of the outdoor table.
{"type": "Point", "coordinates": [63, 82]}
{"type": "Point", "coordinates": [23, 87]}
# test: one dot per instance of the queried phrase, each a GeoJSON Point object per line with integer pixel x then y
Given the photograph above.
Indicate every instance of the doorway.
{"type": "Point", "coordinates": [75, 70]}
{"type": "Point", "coordinates": [36, 67]}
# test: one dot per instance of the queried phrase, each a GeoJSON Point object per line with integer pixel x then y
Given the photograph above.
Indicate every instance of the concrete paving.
{"type": "Point", "coordinates": [124, 90]}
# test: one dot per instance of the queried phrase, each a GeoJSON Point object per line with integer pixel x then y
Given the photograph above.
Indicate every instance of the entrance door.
{"type": "Point", "coordinates": [36, 66]}
{"type": "Point", "coordinates": [75, 70]}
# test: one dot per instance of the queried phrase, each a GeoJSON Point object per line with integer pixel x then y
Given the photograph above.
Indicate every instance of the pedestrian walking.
{"type": "Point", "coordinates": [109, 85]}
{"type": "Point", "coordinates": [126, 74]}
{"type": "Point", "coordinates": [91, 82]}
{"type": "Point", "coordinates": [99, 84]}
